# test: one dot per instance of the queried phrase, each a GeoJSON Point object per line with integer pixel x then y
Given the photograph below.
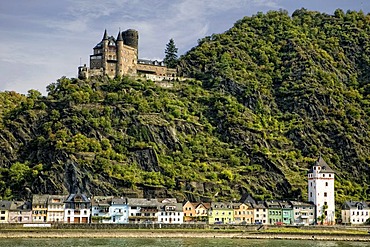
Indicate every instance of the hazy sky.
{"type": "Point", "coordinates": [43, 40]}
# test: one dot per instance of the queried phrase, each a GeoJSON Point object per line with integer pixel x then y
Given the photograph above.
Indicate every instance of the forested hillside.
{"type": "Point", "coordinates": [269, 96]}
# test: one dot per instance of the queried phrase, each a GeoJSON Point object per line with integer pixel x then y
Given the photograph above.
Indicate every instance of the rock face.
{"type": "Point", "coordinates": [269, 96]}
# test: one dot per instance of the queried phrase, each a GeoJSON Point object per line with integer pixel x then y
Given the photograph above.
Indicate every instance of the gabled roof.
{"type": "Point", "coordinates": [73, 197]}
{"type": "Point", "coordinates": [206, 205]}
{"type": "Point", "coordinates": [247, 198]}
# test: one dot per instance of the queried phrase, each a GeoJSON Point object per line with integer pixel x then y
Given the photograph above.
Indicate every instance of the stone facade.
{"type": "Point", "coordinates": [119, 57]}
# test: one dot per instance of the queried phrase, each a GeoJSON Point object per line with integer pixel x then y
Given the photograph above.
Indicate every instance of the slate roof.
{"type": "Point", "coordinates": [20, 206]}
{"type": "Point", "coordinates": [5, 205]}
{"type": "Point", "coordinates": [142, 202]}
{"type": "Point", "coordinates": [247, 198]}
{"type": "Point", "coordinates": [259, 205]}
{"type": "Point", "coordinates": [325, 168]}
{"type": "Point", "coordinates": [273, 204]}
{"type": "Point", "coordinates": [71, 198]}
{"type": "Point", "coordinates": [355, 205]}
{"type": "Point", "coordinates": [301, 204]}
{"type": "Point", "coordinates": [103, 201]}
{"type": "Point", "coordinates": [119, 201]}
{"type": "Point", "coordinates": [51, 199]}
{"type": "Point", "coordinates": [40, 199]}
{"type": "Point", "coordinates": [221, 205]}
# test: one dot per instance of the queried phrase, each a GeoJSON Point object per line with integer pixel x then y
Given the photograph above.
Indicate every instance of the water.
{"type": "Point", "coordinates": [176, 242]}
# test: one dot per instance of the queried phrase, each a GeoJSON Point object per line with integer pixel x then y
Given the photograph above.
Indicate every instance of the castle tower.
{"type": "Point", "coordinates": [119, 65]}
{"type": "Point", "coordinates": [131, 38]}
{"type": "Point", "coordinates": [105, 42]}
{"type": "Point", "coordinates": [321, 191]}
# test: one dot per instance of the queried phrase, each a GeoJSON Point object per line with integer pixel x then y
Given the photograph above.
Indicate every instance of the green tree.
{"type": "Point", "coordinates": [170, 58]}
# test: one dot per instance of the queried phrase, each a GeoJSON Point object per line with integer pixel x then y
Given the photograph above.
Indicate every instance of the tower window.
{"type": "Point", "coordinates": [325, 194]}
{"type": "Point", "coordinates": [326, 183]}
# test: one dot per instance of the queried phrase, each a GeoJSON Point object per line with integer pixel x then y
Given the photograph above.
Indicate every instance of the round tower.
{"type": "Point", "coordinates": [131, 38]}
{"type": "Point", "coordinates": [119, 65]}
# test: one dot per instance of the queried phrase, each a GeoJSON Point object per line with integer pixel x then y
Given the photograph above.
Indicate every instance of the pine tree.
{"type": "Point", "coordinates": [171, 54]}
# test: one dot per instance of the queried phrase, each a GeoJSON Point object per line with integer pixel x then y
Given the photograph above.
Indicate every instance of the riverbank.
{"type": "Point", "coordinates": [104, 233]}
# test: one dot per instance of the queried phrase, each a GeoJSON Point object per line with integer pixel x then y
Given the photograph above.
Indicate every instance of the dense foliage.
{"type": "Point", "coordinates": [270, 95]}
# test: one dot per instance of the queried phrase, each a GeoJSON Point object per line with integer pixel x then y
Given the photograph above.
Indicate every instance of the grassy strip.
{"type": "Point", "coordinates": [314, 231]}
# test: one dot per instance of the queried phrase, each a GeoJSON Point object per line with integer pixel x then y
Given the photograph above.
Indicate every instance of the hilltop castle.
{"type": "Point", "coordinates": [119, 57]}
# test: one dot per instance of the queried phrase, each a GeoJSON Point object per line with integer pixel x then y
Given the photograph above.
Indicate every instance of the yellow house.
{"type": "Point", "coordinates": [201, 211]}
{"type": "Point", "coordinates": [221, 213]}
{"type": "Point", "coordinates": [4, 211]}
{"type": "Point", "coordinates": [39, 208]}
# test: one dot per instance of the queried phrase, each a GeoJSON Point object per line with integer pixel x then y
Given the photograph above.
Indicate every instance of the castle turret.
{"type": "Point", "coordinates": [119, 65]}
{"type": "Point", "coordinates": [321, 191]}
{"type": "Point", "coordinates": [105, 42]}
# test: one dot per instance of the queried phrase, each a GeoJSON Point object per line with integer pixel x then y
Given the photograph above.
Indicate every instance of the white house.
{"type": "Point", "coordinates": [77, 209]}
{"type": "Point", "coordinates": [55, 208]}
{"type": "Point", "coordinates": [170, 212]}
{"type": "Point", "coordinates": [100, 209]}
{"type": "Point", "coordinates": [119, 211]}
{"type": "Point", "coordinates": [142, 210]}
{"type": "Point", "coordinates": [321, 191]}
{"type": "Point", "coordinates": [355, 212]}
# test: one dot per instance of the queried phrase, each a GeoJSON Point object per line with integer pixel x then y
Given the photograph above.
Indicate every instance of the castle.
{"type": "Point", "coordinates": [119, 57]}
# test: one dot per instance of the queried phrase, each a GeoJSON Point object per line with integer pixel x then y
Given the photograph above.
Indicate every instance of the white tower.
{"type": "Point", "coordinates": [321, 191]}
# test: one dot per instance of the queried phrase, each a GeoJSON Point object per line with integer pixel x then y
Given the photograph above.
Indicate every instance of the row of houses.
{"type": "Point", "coordinates": [78, 208]}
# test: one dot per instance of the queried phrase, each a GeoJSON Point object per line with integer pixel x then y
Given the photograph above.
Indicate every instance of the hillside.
{"type": "Point", "coordinates": [269, 96]}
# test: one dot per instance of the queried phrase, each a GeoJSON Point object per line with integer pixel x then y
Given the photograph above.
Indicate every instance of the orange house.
{"type": "Point", "coordinates": [189, 211]}
{"type": "Point", "coordinates": [243, 213]}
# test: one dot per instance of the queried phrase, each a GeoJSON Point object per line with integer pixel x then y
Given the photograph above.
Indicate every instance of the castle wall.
{"type": "Point", "coordinates": [151, 69]}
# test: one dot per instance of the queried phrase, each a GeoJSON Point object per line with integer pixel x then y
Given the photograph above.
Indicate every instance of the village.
{"type": "Point", "coordinates": [79, 209]}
